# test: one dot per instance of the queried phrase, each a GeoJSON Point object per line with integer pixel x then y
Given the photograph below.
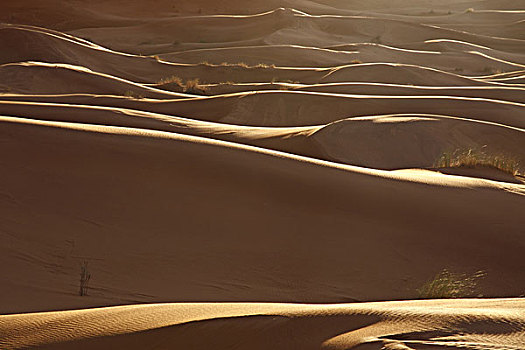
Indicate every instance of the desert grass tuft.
{"type": "Point", "coordinates": [447, 284]}
{"type": "Point", "coordinates": [133, 94]}
{"type": "Point", "coordinates": [238, 65]}
{"type": "Point", "coordinates": [472, 158]}
{"type": "Point", "coordinates": [192, 86]}
{"type": "Point", "coordinates": [171, 80]}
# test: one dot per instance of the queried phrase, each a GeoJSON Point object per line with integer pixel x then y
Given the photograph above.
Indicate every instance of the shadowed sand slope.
{"type": "Point", "coordinates": [210, 163]}
{"type": "Point", "coordinates": [234, 247]}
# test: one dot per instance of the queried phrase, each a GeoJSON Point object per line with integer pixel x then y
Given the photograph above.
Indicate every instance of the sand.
{"type": "Point", "coordinates": [332, 158]}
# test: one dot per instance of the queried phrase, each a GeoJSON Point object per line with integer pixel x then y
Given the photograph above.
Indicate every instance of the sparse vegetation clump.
{"type": "Point", "coordinates": [171, 80]}
{"type": "Point", "coordinates": [238, 64]}
{"type": "Point", "coordinates": [447, 284]}
{"type": "Point", "coordinates": [264, 65]}
{"type": "Point", "coordinates": [492, 71]}
{"type": "Point", "coordinates": [85, 276]}
{"type": "Point", "coordinates": [192, 86]}
{"type": "Point", "coordinates": [472, 158]}
{"type": "Point", "coordinates": [133, 94]}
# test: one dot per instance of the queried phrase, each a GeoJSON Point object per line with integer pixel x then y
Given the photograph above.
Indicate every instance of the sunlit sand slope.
{"type": "Point", "coordinates": [477, 324]}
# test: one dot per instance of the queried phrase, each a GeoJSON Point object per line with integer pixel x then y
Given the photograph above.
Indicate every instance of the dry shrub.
{"type": "Point", "coordinates": [171, 80]}
{"type": "Point", "coordinates": [133, 94]}
{"type": "Point", "coordinates": [240, 64]}
{"type": "Point", "coordinates": [264, 65]}
{"type": "Point", "coordinates": [451, 285]}
{"type": "Point", "coordinates": [85, 276]}
{"type": "Point", "coordinates": [193, 86]}
{"type": "Point", "coordinates": [472, 158]}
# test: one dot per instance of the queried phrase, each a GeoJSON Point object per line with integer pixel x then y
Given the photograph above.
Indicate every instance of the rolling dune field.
{"type": "Point", "coordinates": [279, 174]}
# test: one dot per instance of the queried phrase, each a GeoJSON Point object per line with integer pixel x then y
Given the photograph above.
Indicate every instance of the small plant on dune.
{"type": "Point", "coordinates": [226, 83]}
{"type": "Point", "coordinates": [451, 285]}
{"type": "Point", "coordinates": [133, 94]}
{"type": "Point", "coordinates": [171, 80]}
{"type": "Point", "coordinates": [472, 158]}
{"type": "Point", "coordinates": [194, 86]}
{"type": "Point", "coordinates": [244, 65]}
{"type": "Point", "coordinates": [492, 71]}
{"type": "Point", "coordinates": [264, 65]}
{"type": "Point", "coordinates": [85, 276]}
{"type": "Point", "coordinates": [239, 64]}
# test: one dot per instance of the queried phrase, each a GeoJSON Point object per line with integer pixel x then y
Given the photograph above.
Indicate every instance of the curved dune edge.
{"type": "Point", "coordinates": [270, 108]}
{"type": "Point", "coordinates": [426, 177]}
{"type": "Point", "coordinates": [471, 323]}
{"type": "Point", "coordinates": [350, 141]}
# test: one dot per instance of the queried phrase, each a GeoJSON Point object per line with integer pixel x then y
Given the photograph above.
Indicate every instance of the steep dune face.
{"type": "Point", "coordinates": [209, 155]}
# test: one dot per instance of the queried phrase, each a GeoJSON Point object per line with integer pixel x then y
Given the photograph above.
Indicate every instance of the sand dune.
{"type": "Point", "coordinates": [296, 108]}
{"type": "Point", "coordinates": [486, 324]}
{"type": "Point", "coordinates": [279, 26]}
{"type": "Point", "coordinates": [220, 166]}
{"type": "Point", "coordinates": [350, 141]}
{"type": "Point", "coordinates": [33, 77]}
{"type": "Point", "coordinates": [464, 62]}
{"type": "Point", "coordinates": [170, 158]}
{"type": "Point", "coordinates": [28, 43]}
